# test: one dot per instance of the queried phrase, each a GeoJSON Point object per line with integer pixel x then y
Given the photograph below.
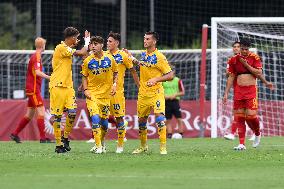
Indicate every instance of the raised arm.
{"type": "Point", "coordinates": [84, 50]}
{"type": "Point", "coordinates": [254, 71]}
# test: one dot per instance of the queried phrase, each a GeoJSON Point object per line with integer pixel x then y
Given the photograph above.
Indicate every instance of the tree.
{"type": "Point", "coordinates": [17, 29]}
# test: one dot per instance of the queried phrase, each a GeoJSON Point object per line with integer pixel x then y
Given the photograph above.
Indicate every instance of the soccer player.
{"type": "Point", "coordinates": [117, 102]}
{"type": "Point", "coordinates": [154, 69]}
{"type": "Point", "coordinates": [173, 91]}
{"type": "Point", "coordinates": [33, 88]}
{"type": "Point", "coordinates": [245, 67]}
{"type": "Point", "coordinates": [62, 94]}
{"type": "Point", "coordinates": [236, 50]}
{"type": "Point", "coordinates": [99, 81]}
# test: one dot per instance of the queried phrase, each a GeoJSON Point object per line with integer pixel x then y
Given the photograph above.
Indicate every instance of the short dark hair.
{"type": "Point", "coordinates": [236, 42]}
{"type": "Point", "coordinates": [154, 34]}
{"type": "Point", "coordinates": [115, 36]}
{"type": "Point", "coordinates": [97, 39]}
{"type": "Point", "coordinates": [245, 42]}
{"type": "Point", "coordinates": [70, 32]}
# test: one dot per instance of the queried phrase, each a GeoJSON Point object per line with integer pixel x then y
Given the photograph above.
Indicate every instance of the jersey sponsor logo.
{"type": "Point", "coordinates": [98, 67]}
{"type": "Point", "coordinates": [148, 61]}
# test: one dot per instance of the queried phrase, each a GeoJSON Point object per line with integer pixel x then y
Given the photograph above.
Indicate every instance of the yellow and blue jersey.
{"type": "Point", "coordinates": [123, 62]}
{"type": "Point", "coordinates": [99, 73]}
{"type": "Point", "coordinates": [152, 65]}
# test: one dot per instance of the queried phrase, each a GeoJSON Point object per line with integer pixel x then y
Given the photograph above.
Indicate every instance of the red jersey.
{"type": "Point", "coordinates": [237, 68]}
{"type": "Point", "coordinates": [33, 82]}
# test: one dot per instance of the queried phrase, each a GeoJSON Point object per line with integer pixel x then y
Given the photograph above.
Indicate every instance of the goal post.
{"type": "Point", "coordinates": [267, 36]}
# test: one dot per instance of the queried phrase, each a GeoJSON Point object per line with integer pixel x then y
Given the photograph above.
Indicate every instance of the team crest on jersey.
{"type": "Point", "coordinates": [118, 58]}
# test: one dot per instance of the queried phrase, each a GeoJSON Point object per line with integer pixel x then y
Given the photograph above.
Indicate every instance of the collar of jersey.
{"type": "Point", "coordinates": [96, 58]}
{"type": "Point", "coordinates": [150, 54]}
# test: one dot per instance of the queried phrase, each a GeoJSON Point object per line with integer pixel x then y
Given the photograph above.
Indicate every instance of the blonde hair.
{"type": "Point", "coordinates": [40, 42]}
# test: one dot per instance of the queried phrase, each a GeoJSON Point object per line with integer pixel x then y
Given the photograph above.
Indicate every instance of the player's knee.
{"type": "Point", "coordinates": [160, 120]}
{"type": "Point", "coordinates": [56, 119]}
{"type": "Point", "coordinates": [120, 125]}
{"type": "Point", "coordinates": [104, 124]}
{"type": "Point", "coordinates": [143, 126]}
{"type": "Point", "coordinates": [95, 121]}
{"type": "Point", "coordinates": [72, 113]}
{"type": "Point", "coordinates": [239, 118]}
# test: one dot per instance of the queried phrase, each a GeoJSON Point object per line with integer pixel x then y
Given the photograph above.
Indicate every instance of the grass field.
{"type": "Point", "coordinates": [190, 163]}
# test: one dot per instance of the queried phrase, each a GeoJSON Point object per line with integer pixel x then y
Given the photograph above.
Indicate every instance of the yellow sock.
{"type": "Point", "coordinates": [57, 133]}
{"type": "Point", "coordinates": [162, 131]}
{"type": "Point", "coordinates": [97, 136]}
{"type": "Point", "coordinates": [103, 134]}
{"type": "Point", "coordinates": [143, 137]}
{"type": "Point", "coordinates": [120, 135]}
{"type": "Point", "coordinates": [68, 126]}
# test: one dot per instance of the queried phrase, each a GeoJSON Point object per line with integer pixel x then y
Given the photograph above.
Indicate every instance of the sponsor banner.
{"type": "Point", "coordinates": [12, 111]}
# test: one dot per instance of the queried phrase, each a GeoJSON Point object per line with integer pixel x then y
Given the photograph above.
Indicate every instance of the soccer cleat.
{"type": "Point", "coordinates": [240, 147]}
{"type": "Point", "coordinates": [46, 140]}
{"type": "Point", "coordinates": [140, 150]}
{"type": "Point", "coordinates": [91, 141]}
{"type": "Point", "coordinates": [60, 149]}
{"type": "Point", "coordinates": [229, 136]}
{"type": "Point", "coordinates": [163, 149]}
{"type": "Point", "coordinates": [256, 141]}
{"type": "Point", "coordinates": [66, 142]}
{"type": "Point", "coordinates": [119, 150]}
{"type": "Point", "coordinates": [104, 150]}
{"type": "Point", "coordinates": [15, 138]}
{"type": "Point", "coordinates": [97, 150]}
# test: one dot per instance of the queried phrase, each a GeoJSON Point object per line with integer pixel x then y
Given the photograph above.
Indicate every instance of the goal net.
{"type": "Point", "coordinates": [267, 38]}
{"type": "Point", "coordinates": [13, 66]}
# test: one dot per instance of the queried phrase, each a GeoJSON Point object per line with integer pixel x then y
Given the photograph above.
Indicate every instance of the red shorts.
{"type": "Point", "coordinates": [246, 103]}
{"type": "Point", "coordinates": [245, 92]}
{"type": "Point", "coordinates": [34, 100]}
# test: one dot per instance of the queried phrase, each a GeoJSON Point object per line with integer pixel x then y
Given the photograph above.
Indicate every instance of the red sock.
{"type": "Point", "coordinates": [253, 123]}
{"type": "Point", "coordinates": [240, 122]}
{"type": "Point", "coordinates": [40, 124]}
{"type": "Point", "coordinates": [22, 125]}
{"type": "Point", "coordinates": [234, 127]}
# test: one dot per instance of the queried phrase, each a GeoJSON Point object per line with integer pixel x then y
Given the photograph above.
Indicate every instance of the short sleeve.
{"type": "Point", "coordinates": [37, 62]}
{"type": "Point", "coordinates": [127, 61]}
{"type": "Point", "coordinates": [114, 66]}
{"type": "Point", "coordinates": [67, 51]}
{"type": "Point", "coordinates": [84, 70]}
{"type": "Point", "coordinates": [257, 62]}
{"type": "Point", "coordinates": [163, 65]}
{"type": "Point", "coordinates": [230, 67]}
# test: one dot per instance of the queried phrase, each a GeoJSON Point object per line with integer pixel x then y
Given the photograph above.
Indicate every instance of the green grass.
{"type": "Point", "coordinates": [190, 163]}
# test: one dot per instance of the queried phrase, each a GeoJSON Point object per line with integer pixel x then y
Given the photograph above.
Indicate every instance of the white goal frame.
{"type": "Point", "coordinates": [214, 58]}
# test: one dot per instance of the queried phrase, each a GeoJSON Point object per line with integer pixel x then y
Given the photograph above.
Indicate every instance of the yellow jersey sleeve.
{"type": "Point", "coordinates": [114, 65]}
{"type": "Point", "coordinates": [127, 61]}
{"type": "Point", "coordinates": [84, 70]}
{"type": "Point", "coordinates": [67, 51]}
{"type": "Point", "coordinates": [163, 65]}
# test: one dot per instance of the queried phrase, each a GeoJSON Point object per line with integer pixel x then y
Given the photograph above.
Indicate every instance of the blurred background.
{"type": "Point", "coordinates": [178, 22]}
